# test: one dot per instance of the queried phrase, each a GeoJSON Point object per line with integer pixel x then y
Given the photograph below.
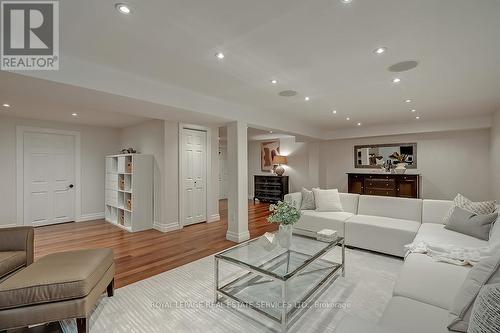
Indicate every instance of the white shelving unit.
{"type": "Point", "coordinates": [129, 191]}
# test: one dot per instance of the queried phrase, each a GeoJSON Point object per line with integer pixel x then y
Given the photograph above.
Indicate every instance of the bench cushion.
{"type": "Point", "coordinates": [381, 234]}
{"type": "Point", "coordinates": [11, 261]}
{"type": "Point", "coordinates": [429, 281]}
{"type": "Point", "coordinates": [56, 277]}
{"type": "Point", "coordinates": [436, 234]}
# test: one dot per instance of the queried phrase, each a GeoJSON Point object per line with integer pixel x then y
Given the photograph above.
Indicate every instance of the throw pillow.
{"type": "Point", "coordinates": [485, 317]}
{"type": "Point", "coordinates": [468, 223]}
{"type": "Point", "coordinates": [484, 207]}
{"type": "Point", "coordinates": [485, 272]}
{"type": "Point", "coordinates": [494, 241]}
{"type": "Point", "coordinates": [307, 200]}
{"type": "Point", "coordinates": [327, 200]}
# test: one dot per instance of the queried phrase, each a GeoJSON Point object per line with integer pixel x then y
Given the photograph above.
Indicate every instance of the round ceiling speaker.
{"type": "Point", "coordinates": [403, 66]}
{"type": "Point", "coordinates": [288, 93]}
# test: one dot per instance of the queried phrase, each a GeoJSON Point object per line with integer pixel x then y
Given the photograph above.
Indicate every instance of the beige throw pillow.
{"type": "Point", "coordinates": [327, 200]}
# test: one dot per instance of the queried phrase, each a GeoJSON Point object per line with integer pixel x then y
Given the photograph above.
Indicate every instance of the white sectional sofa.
{"type": "Point", "coordinates": [426, 288]}
{"type": "Point", "coordinates": [382, 224]}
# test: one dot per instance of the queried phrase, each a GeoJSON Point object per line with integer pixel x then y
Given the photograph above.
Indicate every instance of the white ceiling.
{"type": "Point", "coordinates": [321, 48]}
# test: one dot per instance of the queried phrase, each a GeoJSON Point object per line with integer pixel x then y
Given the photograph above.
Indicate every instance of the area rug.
{"type": "Point", "coordinates": [181, 300]}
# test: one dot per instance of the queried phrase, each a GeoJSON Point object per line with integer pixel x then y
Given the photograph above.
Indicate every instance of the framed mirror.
{"type": "Point", "coordinates": [374, 156]}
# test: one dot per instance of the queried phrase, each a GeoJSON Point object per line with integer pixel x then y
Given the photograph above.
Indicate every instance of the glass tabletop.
{"type": "Point", "coordinates": [270, 258]}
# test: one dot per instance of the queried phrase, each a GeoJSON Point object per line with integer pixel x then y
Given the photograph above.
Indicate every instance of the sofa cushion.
{"type": "Point", "coordinates": [487, 271]}
{"type": "Point", "coordinates": [437, 234]}
{"type": "Point", "coordinates": [397, 208]}
{"type": "Point", "coordinates": [472, 224]}
{"type": "Point", "coordinates": [327, 200]}
{"type": "Point", "coordinates": [494, 240]}
{"type": "Point", "coordinates": [295, 199]}
{"type": "Point", "coordinates": [485, 317]}
{"type": "Point", "coordinates": [312, 221]}
{"type": "Point", "coordinates": [56, 277]}
{"type": "Point", "coordinates": [349, 202]}
{"type": "Point", "coordinates": [426, 280]}
{"type": "Point", "coordinates": [484, 207]}
{"type": "Point", "coordinates": [381, 234]}
{"type": "Point", "coordinates": [11, 261]}
{"type": "Point", "coordinates": [434, 211]}
{"type": "Point", "coordinates": [308, 202]}
{"type": "Point", "coordinates": [412, 316]}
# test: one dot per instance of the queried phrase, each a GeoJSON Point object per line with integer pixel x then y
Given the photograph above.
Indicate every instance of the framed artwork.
{"type": "Point", "coordinates": [268, 150]}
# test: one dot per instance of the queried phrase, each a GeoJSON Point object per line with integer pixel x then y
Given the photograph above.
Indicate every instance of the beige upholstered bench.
{"type": "Point", "coordinates": [59, 286]}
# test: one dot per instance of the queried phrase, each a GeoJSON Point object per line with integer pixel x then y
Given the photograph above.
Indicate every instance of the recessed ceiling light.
{"type": "Point", "coordinates": [408, 101]}
{"type": "Point", "coordinates": [74, 114]}
{"type": "Point", "coordinates": [334, 111]}
{"type": "Point", "coordinates": [347, 118]}
{"type": "Point", "coordinates": [413, 110]}
{"type": "Point", "coordinates": [346, 1]}
{"type": "Point", "coordinates": [359, 124]}
{"type": "Point", "coordinates": [123, 8]}
{"type": "Point", "coordinates": [274, 81]}
{"type": "Point", "coordinates": [380, 50]}
{"type": "Point", "coordinates": [220, 55]}
{"type": "Point", "coordinates": [396, 80]}
{"type": "Point", "coordinates": [270, 132]}
{"type": "Point", "coordinates": [307, 99]}
{"type": "Point", "coordinates": [5, 105]}
{"type": "Point", "coordinates": [417, 117]}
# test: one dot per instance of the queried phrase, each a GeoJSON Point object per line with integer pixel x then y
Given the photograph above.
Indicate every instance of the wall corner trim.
{"type": "Point", "coordinates": [166, 227]}
{"type": "Point", "coordinates": [213, 218]}
{"type": "Point", "coordinates": [238, 237]}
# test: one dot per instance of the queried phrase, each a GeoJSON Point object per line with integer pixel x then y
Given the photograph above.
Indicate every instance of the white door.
{"type": "Point", "coordinates": [194, 145]}
{"type": "Point", "coordinates": [49, 178]}
{"type": "Point", "coordinates": [223, 174]}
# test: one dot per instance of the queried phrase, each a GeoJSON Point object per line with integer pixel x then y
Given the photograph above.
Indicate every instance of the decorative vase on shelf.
{"type": "Point", "coordinates": [285, 235]}
{"type": "Point", "coordinates": [400, 168]}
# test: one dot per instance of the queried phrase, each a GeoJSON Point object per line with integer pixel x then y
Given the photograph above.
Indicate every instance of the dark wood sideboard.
{"type": "Point", "coordinates": [270, 188]}
{"type": "Point", "coordinates": [389, 185]}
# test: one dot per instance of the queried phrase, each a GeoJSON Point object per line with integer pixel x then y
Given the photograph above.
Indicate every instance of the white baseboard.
{"type": "Point", "coordinates": [166, 227]}
{"type": "Point", "coordinates": [90, 217]}
{"type": "Point", "coordinates": [213, 218]}
{"type": "Point", "coordinates": [237, 237]}
{"type": "Point", "coordinates": [11, 225]}
{"type": "Point", "coordinates": [250, 197]}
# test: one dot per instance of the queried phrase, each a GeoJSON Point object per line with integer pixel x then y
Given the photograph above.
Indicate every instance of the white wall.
{"type": "Point", "coordinates": [495, 156]}
{"type": "Point", "coordinates": [303, 163]}
{"type": "Point", "coordinates": [449, 162]}
{"type": "Point", "coordinates": [96, 143]}
{"type": "Point", "coordinates": [148, 138]}
{"type": "Point", "coordinates": [161, 139]}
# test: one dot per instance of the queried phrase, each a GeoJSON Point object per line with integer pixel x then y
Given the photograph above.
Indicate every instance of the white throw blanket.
{"type": "Point", "coordinates": [450, 253]}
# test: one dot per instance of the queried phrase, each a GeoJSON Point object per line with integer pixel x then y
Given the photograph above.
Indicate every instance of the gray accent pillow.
{"type": "Point", "coordinates": [468, 223]}
{"type": "Point", "coordinates": [485, 272]}
{"type": "Point", "coordinates": [307, 200]}
{"type": "Point", "coordinates": [485, 316]}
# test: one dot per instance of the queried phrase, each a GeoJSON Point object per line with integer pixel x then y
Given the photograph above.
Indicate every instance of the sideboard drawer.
{"type": "Point", "coordinates": [377, 183]}
{"type": "Point", "coordinates": [385, 193]}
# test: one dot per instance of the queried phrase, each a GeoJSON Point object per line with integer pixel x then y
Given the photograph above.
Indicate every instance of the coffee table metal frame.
{"type": "Point", "coordinates": [289, 313]}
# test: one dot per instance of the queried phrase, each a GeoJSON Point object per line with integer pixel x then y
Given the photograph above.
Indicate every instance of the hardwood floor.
{"type": "Point", "coordinates": [147, 253]}
{"type": "Point", "coordinates": [144, 254]}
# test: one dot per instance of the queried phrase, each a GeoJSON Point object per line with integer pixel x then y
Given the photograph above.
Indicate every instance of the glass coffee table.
{"type": "Point", "coordinates": [279, 283]}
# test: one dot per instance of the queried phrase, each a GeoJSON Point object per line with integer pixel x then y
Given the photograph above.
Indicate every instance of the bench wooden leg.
{"type": "Point", "coordinates": [83, 325]}
{"type": "Point", "coordinates": [111, 288]}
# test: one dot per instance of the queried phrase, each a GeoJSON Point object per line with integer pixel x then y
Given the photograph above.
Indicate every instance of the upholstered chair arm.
{"type": "Point", "coordinates": [18, 239]}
